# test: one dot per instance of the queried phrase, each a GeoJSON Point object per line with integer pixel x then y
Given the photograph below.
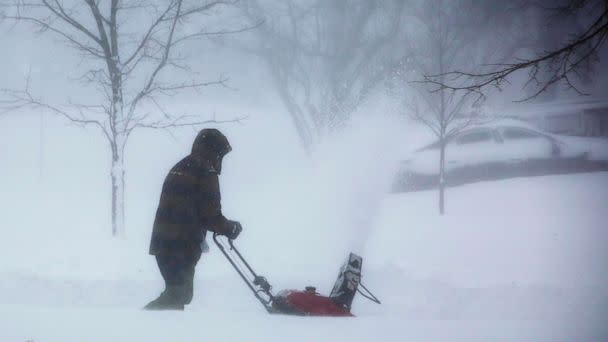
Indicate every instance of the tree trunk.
{"type": "Point", "coordinates": [442, 178]}
{"type": "Point", "coordinates": [118, 193]}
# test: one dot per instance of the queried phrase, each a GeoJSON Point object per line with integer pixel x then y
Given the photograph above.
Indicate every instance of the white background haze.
{"type": "Point", "coordinates": [520, 259]}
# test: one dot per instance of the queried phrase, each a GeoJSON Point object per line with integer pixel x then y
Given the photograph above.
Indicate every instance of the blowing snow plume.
{"type": "Point", "coordinates": [352, 172]}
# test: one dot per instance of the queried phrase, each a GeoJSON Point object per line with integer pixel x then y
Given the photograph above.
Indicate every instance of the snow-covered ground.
{"type": "Point", "coordinates": [514, 260]}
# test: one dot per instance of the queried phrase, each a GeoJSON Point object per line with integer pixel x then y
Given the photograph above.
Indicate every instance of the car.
{"type": "Point", "coordinates": [500, 149]}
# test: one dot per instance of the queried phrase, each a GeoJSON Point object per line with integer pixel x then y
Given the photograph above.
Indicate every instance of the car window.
{"type": "Point", "coordinates": [513, 133]}
{"type": "Point", "coordinates": [473, 137]}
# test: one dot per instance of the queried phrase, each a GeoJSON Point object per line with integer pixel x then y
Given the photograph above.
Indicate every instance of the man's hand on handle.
{"type": "Point", "coordinates": [233, 229]}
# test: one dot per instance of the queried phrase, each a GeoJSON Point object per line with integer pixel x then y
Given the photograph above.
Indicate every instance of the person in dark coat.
{"type": "Point", "coordinates": [189, 207]}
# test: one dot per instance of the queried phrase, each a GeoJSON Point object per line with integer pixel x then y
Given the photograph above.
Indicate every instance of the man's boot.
{"type": "Point", "coordinates": [170, 299]}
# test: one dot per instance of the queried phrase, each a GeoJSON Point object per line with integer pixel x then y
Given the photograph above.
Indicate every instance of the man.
{"type": "Point", "coordinates": [189, 207]}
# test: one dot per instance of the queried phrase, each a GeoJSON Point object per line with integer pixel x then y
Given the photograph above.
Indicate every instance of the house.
{"type": "Point", "coordinates": [595, 122]}
{"type": "Point", "coordinates": [583, 117]}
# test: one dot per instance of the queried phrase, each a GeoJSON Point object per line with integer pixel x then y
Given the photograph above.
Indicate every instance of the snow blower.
{"type": "Point", "coordinates": [297, 302]}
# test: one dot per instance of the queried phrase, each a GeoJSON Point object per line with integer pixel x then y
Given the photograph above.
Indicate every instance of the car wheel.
{"type": "Point", "coordinates": [556, 151]}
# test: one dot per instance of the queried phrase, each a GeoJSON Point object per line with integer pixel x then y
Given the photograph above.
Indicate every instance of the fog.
{"type": "Point", "coordinates": [323, 121]}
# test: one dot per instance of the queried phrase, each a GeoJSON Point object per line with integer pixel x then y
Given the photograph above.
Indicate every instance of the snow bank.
{"type": "Point", "coordinates": [541, 230]}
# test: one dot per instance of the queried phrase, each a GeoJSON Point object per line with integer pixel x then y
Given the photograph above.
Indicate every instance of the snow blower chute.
{"type": "Point", "coordinates": [296, 302]}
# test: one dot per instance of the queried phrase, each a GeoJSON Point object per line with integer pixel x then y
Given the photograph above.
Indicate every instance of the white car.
{"type": "Point", "coordinates": [500, 149]}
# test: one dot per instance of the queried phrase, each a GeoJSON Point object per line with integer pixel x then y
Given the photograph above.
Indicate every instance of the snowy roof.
{"type": "Point", "coordinates": [504, 122]}
{"type": "Point", "coordinates": [554, 108]}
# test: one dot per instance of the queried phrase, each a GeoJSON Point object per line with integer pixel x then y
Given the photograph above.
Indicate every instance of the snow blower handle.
{"type": "Point", "coordinates": [258, 281]}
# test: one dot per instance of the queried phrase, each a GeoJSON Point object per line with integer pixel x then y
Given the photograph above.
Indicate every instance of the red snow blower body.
{"type": "Point", "coordinates": [307, 302]}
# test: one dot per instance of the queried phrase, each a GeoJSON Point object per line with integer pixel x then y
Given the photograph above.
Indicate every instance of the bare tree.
{"type": "Point", "coordinates": [131, 65]}
{"type": "Point", "coordinates": [324, 57]}
{"type": "Point", "coordinates": [565, 64]}
{"type": "Point", "coordinates": [441, 35]}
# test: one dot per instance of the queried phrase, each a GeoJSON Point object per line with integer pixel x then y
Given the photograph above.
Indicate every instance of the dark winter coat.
{"type": "Point", "coordinates": [189, 207]}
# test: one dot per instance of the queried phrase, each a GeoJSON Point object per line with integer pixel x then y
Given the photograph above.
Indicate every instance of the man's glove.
{"type": "Point", "coordinates": [233, 229]}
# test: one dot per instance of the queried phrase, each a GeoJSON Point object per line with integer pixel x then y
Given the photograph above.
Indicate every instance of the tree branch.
{"type": "Point", "coordinates": [559, 62]}
{"type": "Point", "coordinates": [203, 33]}
{"type": "Point", "coordinates": [61, 13]}
{"type": "Point", "coordinates": [47, 26]}
{"type": "Point", "coordinates": [183, 121]}
{"type": "Point", "coordinates": [163, 61]}
{"type": "Point", "coordinates": [24, 99]}
{"type": "Point", "coordinates": [144, 41]}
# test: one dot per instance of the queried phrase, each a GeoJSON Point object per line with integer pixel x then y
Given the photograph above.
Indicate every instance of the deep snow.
{"type": "Point", "coordinates": [511, 270]}
{"type": "Point", "coordinates": [520, 259]}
